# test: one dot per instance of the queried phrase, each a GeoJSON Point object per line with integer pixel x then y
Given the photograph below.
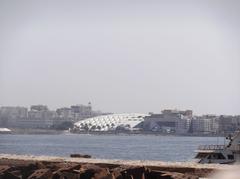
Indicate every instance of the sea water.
{"type": "Point", "coordinates": [131, 147]}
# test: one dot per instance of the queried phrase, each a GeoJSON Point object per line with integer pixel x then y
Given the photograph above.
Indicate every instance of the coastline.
{"type": "Point", "coordinates": [20, 131]}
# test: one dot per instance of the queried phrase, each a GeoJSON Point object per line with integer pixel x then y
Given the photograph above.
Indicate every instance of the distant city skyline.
{"type": "Point", "coordinates": [109, 112]}
{"type": "Point", "coordinates": [123, 56]}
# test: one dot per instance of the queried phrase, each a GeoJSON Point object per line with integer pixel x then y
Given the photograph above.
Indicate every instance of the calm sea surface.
{"type": "Point", "coordinates": [134, 147]}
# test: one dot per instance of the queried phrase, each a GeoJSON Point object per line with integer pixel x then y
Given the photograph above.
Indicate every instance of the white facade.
{"type": "Point", "coordinates": [110, 122]}
{"type": "Point", "coordinates": [205, 125]}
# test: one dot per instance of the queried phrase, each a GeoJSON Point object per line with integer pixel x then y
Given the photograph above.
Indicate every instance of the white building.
{"type": "Point", "coordinates": [205, 124]}
{"type": "Point", "coordinates": [111, 122]}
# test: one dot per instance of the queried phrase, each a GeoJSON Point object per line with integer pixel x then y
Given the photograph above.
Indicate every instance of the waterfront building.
{"type": "Point", "coordinates": [9, 115]}
{"type": "Point", "coordinates": [41, 112]}
{"type": "Point", "coordinates": [11, 112]}
{"type": "Point", "coordinates": [81, 111]}
{"type": "Point", "coordinates": [159, 123]}
{"type": "Point", "coordinates": [188, 113]}
{"type": "Point", "coordinates": [111, 122]}
{"type": "Point", "coordinates": [206, 124]}
{"type": "Point", "coordinates": [228, 124]}
{"type": "Point", "coordinates": [169, 121]}
{"type": "Point", "coordinates": [38, 117]}
{"type": "Point", "coordinates": [39, 108]}
{"type": "Point", "coordinates": [236, 121]}
{"type": "Point", "coordinates": [183, 125]}
{"type": "Point", "coordinates": [65, 113]}
{"type": "Point", "coordinates": [33, 123]}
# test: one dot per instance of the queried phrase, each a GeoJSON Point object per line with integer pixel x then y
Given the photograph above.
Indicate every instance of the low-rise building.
{"type": "Point", "coordinates": [169, 121]}
{"type": "Point", "coordinates": [111, 122]}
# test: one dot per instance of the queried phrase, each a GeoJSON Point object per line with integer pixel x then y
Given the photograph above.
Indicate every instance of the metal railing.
{"type": "Point", "coordinates": [211, 147]}
{"type": "Point", "coordinates": [235, 148]}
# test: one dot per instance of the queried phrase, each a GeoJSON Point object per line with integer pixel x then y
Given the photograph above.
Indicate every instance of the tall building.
{"type": "Point", "coordinates": [65, 113]}
{"type": "Point", "coordinates": [41, 112]}
{"type": "Point", "coordinates": [13, 112]}
{"type": "Point", "coordinates": [81, 111]}
{"type": "Point", "coordinates": [10, 115]}
{"type": "Point", "coordinates": [205, 124]}
{"type": "Point", "coordinates": [228, 123]}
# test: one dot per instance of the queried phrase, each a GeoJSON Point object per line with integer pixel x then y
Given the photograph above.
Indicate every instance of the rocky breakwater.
{"type": "Point", "coordinates": [30, 167]}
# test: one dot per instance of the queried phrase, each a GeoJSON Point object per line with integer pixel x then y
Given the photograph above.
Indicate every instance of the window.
{"type": "Point", "coordinates": [231, 157]}
{"type": "Point", "coordinates": [216, 156]}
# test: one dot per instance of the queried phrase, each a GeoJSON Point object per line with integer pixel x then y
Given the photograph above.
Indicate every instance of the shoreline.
{"type": "Point", "coordinates": [19, 131]}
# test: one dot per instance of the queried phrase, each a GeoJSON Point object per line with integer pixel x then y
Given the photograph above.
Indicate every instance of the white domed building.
{"type": "Point", "coordinates": [110, 122]}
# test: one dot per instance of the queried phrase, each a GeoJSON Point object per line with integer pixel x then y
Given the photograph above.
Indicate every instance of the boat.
{"type": "Point", "coordinates": [5, 131]}
{"type": "Point", "coordinates": [220, 154]}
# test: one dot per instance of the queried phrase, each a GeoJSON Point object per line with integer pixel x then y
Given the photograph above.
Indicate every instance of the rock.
{"type": "Point", "coordinates": [21, 169]}
{"type": "Point", "coordinates": [94, 171]}
{"type": "Point", "coordinates": [117, 174]}
{"type": "Point", "coordinates": [134, 173]}
{"type": "Point", "coordinates": [80, 156]}
{"type": "Point", "coordinates": [153, 174]}
{"type": "Point", "coordinates": [27, 170]}
{"type": "Point", "coordinates": [10, 175]}
{"type": "Point", "coordinates": [41, 174]}
{"type": "Point", "coordinates": [68, 172]}
{"type": "Point", "coordinates": [70, 168]}
{"type": "Point", "coordinates": [4, 168]}
{"type": "Point", "coordinates": [4, 172]}
{"type": "Point", "coordinates": [66, 175]}
{"type": "Point", "coordinates": [168, 175]}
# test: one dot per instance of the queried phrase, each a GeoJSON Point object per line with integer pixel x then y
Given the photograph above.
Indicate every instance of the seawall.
{"type": "Point", "coordinates": [27, 166]}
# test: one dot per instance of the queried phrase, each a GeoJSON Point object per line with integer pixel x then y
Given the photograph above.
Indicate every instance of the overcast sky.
{"type": "Point", "coordinates": [123, 56]}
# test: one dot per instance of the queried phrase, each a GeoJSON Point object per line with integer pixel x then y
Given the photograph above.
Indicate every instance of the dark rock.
{"type": "Point", "coordinates": [21, 169]}
{"type": "Point", "coordinates": [134, 173]}
{"type": "Point", "coordinates": [41, 165]}
{"type": "Point", "coordinates": [4, 168]}
{"type": "Point", "coordinates": [168, 175]}
{"type": "Point", "coordinates": [80, 156]}
{"type": "Point", "coordinates": [94, 171]}
{"type": "Point", "coordinates": [41, 174]}
{"type": "Point", "coordinates": [66, 175]}
{"type": "Point", "coordinates": [71, 167]}
{"type": "Point", "coordinates": [117, 174]}
{"type": "Point", "coordinates": [27, 170]}
{"type": "Point", "coordinates": [153, 174]}
{"type": "Point", "coordinates": [10, 175]}
{"type": "Point", "coordinates": [68, 172]}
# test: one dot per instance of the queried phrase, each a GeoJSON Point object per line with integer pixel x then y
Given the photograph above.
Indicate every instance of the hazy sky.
{"type": "Point", "coordinates": [123, 56]}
